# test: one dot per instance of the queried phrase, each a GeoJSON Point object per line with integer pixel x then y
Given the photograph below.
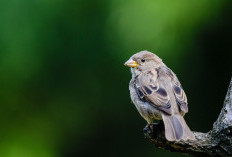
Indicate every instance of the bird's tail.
{"type": "Point", "coordinates": [176, 128]}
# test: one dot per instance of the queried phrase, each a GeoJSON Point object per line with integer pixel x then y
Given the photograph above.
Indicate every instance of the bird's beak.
{"type": "Point", "coordinates": [131, 63]}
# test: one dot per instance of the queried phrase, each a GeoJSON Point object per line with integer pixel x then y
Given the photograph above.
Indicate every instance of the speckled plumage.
{"type": "Point", "coordinates": [158, 95]}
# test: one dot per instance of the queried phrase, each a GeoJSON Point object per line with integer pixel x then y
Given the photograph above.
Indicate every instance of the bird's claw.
{"type": "Point", "coordinates": [148, 129]}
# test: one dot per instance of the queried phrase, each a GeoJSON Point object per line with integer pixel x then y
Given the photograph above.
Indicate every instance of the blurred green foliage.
{"type": "Point", "coordinates": [64, 89]}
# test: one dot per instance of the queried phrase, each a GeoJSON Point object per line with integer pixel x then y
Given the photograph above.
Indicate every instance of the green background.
{"type": "Point", "coordinates": [63, 84]}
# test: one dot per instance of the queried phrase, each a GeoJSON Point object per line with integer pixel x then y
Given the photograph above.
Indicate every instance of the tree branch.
{"type": "Point", "coordinates": [217, 142]}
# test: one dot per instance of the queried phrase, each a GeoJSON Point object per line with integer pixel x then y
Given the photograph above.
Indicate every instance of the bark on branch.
{"type": "Point", "coordinates": [217, 142]}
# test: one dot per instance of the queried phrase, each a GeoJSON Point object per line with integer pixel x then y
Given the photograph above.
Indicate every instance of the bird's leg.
{"type": "Point", "coordinates": [152, 128]}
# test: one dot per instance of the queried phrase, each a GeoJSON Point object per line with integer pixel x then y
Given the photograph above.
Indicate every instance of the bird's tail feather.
{"type": "Point", "coordinates": [176, 128]}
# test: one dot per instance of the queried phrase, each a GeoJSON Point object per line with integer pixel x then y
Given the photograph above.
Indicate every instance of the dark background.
{"type": "Point", "coordinates": [64, 88]}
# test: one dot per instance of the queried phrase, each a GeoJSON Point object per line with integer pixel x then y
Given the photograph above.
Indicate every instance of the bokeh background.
{"type": "Point", "coordinates": [64, 88]}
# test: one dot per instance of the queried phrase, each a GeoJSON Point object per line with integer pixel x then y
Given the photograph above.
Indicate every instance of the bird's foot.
{"type": "Point", "coordinates": [153, 129]}
{"type": "Point", "coordinates": [149, 129]}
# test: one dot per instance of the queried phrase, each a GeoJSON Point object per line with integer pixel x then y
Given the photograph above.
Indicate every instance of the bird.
{"type": "Point", "coordinates": [158, 95]}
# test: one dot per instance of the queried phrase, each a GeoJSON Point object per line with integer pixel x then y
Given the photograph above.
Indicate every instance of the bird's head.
{"type": "Point", "coordinates": [144, 60]}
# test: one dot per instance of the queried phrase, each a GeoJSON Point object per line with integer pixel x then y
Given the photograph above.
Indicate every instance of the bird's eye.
{"type": "Point", "coordinates": [143, 60]}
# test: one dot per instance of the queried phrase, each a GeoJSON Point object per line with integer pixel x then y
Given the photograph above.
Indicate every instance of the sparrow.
{"type": "Point", "coordinates": [158, 95]}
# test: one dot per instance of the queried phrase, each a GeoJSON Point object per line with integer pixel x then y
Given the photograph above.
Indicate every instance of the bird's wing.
{"type": "Point", "coordinates": [178, 90]}
{"type": "Point", "coordinates": [150, 89]}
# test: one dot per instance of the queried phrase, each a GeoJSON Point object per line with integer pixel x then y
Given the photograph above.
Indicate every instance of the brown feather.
{"type": "Point", "coordinates": [180, 95]}
{"type": "Point", "coordinates": [151, 90]}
